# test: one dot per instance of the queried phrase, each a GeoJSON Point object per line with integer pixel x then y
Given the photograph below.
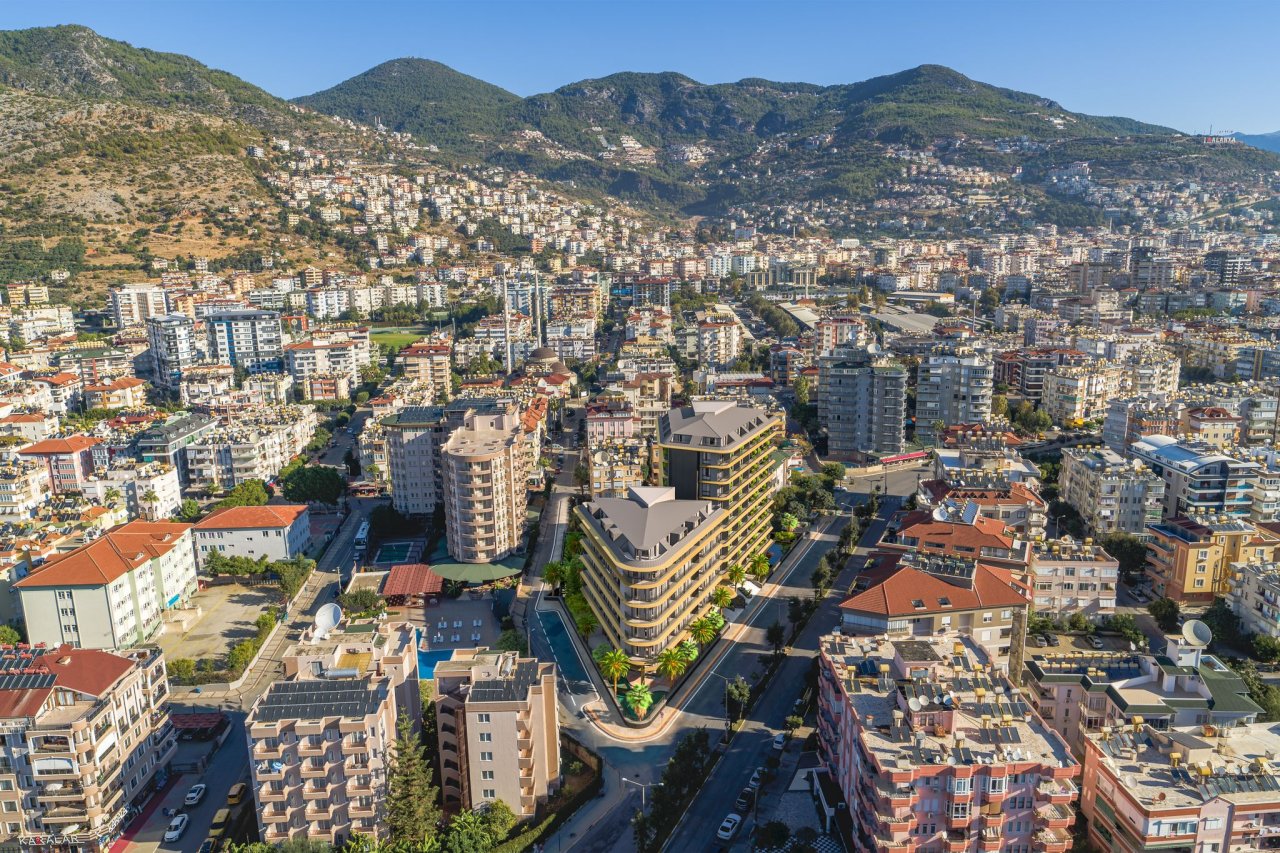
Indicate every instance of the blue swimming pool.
{"type": "Point", "coordinates": [427, 660]}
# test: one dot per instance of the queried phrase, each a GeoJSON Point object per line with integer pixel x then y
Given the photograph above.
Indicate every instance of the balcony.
{"type": "Point", "coordinates": [64, 813]}
{"type": "Point", "coordinates": [1057, 791]}
{"type": "Point", "coordinates": [268, 771]}
{"type": "Point", "coordinates": [58, 791]}
{"type": "Point", "coordinates": [262, 749]}
{"type": "Point", "coordinates": [278, 832]}
{"type": "Point", "coordinates": [957, 841]}
{"type": "Point", "coordinates": [267, 795]}
{"type": "Point", "coordinates": [315, 792]}
{"type": "Point", "coordinates": [310, 771]}
{"type": "Point", "coordinates": [274, 816]}
{"type": "Point", "coordinates": [355, 747]}
{"type": "Point", "coordinates": [305, 748]}
{"type": "Point", "coordinates": [358, 810]}
{"type": "Point", "coordinates": [1051, 841]}
{"type": "Point", "coordinates": [316, 812]}
{"type": "Point", "coordinates": [1054, 816]}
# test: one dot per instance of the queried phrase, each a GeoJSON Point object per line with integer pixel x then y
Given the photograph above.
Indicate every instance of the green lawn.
{"type": "Point", "coordinates": [397, 339]}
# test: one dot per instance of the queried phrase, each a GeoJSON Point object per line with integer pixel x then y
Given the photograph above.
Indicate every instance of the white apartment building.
{"type": "Point", "coordinates": [305, 359]}
{"type": "Point", "coordinates": [414, 436]}
{"type": "Point", "coordinates": [24, 485]}
{"type": "Point", "coordinates": [1081, 392]}
{"type": "Point", "coordinates": [1073, 577]}
{"type": "Point", "coordinates": [251, 340]}
{"type": "Point", "coordinates": [953, 388]}
{"type": "Point", "coordinates": [719, 340]}
{"type": "Point", "coordinates": [110, 593]}
{"type": "Point", "coordinates": [1111, 494]}
{"type": "Point", "coordinates": [133, 304]}
{"type": "Point", "coordinates": [274, 531]}
{"type": "Point", "coordinates": [258, 444]}
{"type": "Point", "coordinates": [484, 464]}
{"type": "Point", "coordinates": [148, 490]}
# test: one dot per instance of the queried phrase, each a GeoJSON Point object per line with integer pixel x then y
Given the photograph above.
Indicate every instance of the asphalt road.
{"type": "Point", "coordinates": [753, 745]}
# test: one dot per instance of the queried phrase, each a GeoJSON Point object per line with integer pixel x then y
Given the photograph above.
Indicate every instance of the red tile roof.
{"type": "Point", "coordinates": [57, 378]}
{"type": "Point", "coordinates": [85, 670]}
{"type": "Point", "coordinates": [118, 385]}
{"type": "Point", "coordinates": [894, 589]}
{"type": "Point", "coordinates": [412, 579]}
{"type": "Point", "coordinates": [252, 517]}
{"type": "Point", "coordinates": [116, 553]}
{"type": "Point", "coordinates": [55, 446]}
{"type": "Point", "coordinates": [983, 533]}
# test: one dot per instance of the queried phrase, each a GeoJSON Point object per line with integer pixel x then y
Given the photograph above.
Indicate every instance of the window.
{"type": "Point", "coordinates": [486, 756]}
{"type": "Point", "coordinates": [489, 794]}
{"type": "Point", "coordinates": [486, 775]}
{"type": "Point", "coordinates": [959, 786]}
{"type": "Point", "coordinates": [482, 718]}
{"type": "Point", "coordinates": [1213, 823]}
{"type": "Point", "coordinates": [486, 737]}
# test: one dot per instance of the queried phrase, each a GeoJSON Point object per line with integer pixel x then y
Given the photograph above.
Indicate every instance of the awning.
{"type": "Point", "coordinates": [196, 721]}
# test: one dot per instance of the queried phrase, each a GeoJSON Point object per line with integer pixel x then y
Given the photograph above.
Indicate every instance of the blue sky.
{"type": "Point", "coordinates": [1184, 64]}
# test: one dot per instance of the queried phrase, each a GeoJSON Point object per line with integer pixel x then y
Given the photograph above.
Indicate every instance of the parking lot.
{"type": "Point", "coordinates": [229, 613]}
{"type": "Point", "coordinates": [1078, 643]}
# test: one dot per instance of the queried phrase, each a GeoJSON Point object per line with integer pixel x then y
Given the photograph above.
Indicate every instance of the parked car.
{"type": "Point", "coordinates": [1041, 642]}
{"type": "Point", "coordinates": [756, 779]}
{"type": "Point", "coordinates": [1095, 642]}
{"type": "Point", "coordinates": [176, 827]}
{"type": "Point", "coordinates": [236, 794]}
{"type": "Point", "coordinates": [1054, 641]}
{"type": "Point", "coordinates": [729, 827]}
{"type": "Point", "coordinates": [195, 795]}
{"type": "Point", "coordinates": [746, 799]}
{"type": "Point", "coordinates": [780, 741]}
{"type": "Point", "coordinates": [206, 846]}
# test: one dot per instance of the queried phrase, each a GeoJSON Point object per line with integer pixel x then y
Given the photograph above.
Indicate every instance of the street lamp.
{"type": "Point", "coordinates": [643, 786]}
{"type": "Point", "coordinates": [728, 723]}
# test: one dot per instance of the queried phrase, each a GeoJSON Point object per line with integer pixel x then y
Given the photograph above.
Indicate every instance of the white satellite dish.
{"type": "Point", "coordinates": [914, 704]}
{"type": "Point", "coordinates": [1196, 633]}
{"type": "Point", "coordinates": [327, 618]}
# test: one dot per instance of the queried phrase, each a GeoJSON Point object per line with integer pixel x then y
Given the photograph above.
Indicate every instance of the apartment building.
{"type": "Point", "coordinates": [1129, 419]}
{"type": "Point", "coordinates": [497, 730]}
{"type": "Point", "coordinates": [414, 436]}
{"type": "Point", "coordinates": [171, 339]}
{"type": "Point", "coordinates": [1198, 480]}
{"type": "Point", "coordinates": [251, 340]}
{"type": "Point", "coordinates": [1189, 559]}
{"type": "Point", "coordinates": [609, 420]}
{"type": "Point", "coordinates": [327, 358]}
{"type": "Point", "coordinates": [1111, 494]}
{"type": "Point", "coordinates": [69, 460]}
{"type": "Point", "coordinates": [134, 303]}
{"type": "Point", "coordinates": [862, 402]}
{"type": "Point", "coordinates": [955, 529]}
{"type": "Point", "coordinates": [910, 594]}
{"type": "Point", "coordinates": [321, 738]}
{"type": "Point", "coordinates": [24, 485]}
{"type": "Point", "coordinates": [168, 442]}
{"type": "Point", "coordinates": [1213, 426]}
{"type": "Point", "coordinates": [428, 364]}
{"type": "Point", "coordinates": [720, 339]}
{"type": "Point", "coordinates": [110, 593]}
{"type": "Point", "coordinates": [86, 732]}
{"type": "Point", "coordinates": [483, 467]}
{"type": "Point", "coordinates": [147, 490]}
{"type": "Point", "coordinates": [1081, 393]}
{"type": "Point", "coordinates": [274, 531]}
{"type": "Point", "coordinates": [1081, 694]}
{"type": "Point", "coordinates": [831, 332]}
{"type": "Point", "coordinates": [923, 750]}
{"type": "Point", "coordinates": [617, 466]}
{"type": "Point", "coordinates": [1197, 788]}
{"type": "Point", "coordinates": [125, 392]}
{"type": "Point", "coordinates": [952, 388]}
{"type": "Point", "coordinates": [258, 444]}
{"type": "Point", "coordinates": [1016, 505]}
{"type": "Point", "coordinates": [1070, 577]}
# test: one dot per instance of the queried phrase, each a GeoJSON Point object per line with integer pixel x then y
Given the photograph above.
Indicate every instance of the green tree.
{"type": "Point", "coordinates": [760, 567]}
{"type": "Point", "coordinates": [833, 471]}
{"type": "Point", "coordinates": [1266, 648]}
{"type": "Point", "coordinates": [788, 522]}
{"type": "Point", "coordinates": [702, 631]}
{"type": "Point", "coordinates": [688, 650]}
{"type": "Point", "coordinates": [248, 493]}
{"type": "Point", "coordinates": [189, 510]}
{"type": "Point", "coordinates": [738, 696]}
{"type": "Point", "coordinates": [792, 723]}
{"type": "Point", "coordinates": [499, 819]}
{"type": "Point", "coordinates": [672, 663]}
{"type": "Point", "coordinates": [412, 813]}
{"type": "Point", "coordinates": [801, 389]}
{"type": "Point", "coordinates": [553, 573]}
{"type": "Point", "coordinates": [468, 833]}
{"type": "Point", "coordinates": [1130, 552]}
{"type": "Point", "coordinates": [614, 665]}
{"type": "Point", "coordinates": [316, 483]}
{"type": "Point", "coordinates": [181, 669]}
{"type": "Point", "coordinates": [293, 574]}
{"type": "Point", "coordinates": [360, 601]}
{"type": "Point", "coordinates": [776, 636]}
{"type": "Point", "coordinates": [820, 579]}
{"type": "Point", "coordinates": [113, 495]}
{"type": "Point", "coordinates": [9, 635]}
{"type": "Point", "coordinates": [774, 834]}
{"type": "Point", "coordinates": [1078, 621]}
{"type": "Point", "coordinates": [999, 405]}
{"type": "Point", "coordinates": [1165, 611]}
{"type": "Point", "coordinates": [722, 597]}
{"type": "Point", "coordinates": [736, 575]}
{"type": "Point", "coordinates": [639, 699]}
{"type": "Point", "coordinates": [150, 498]}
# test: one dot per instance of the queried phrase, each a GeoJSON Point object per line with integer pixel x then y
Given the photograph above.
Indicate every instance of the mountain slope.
{"type": "Point", "coordinates": [1265, 141]}
{"type": "Point", "coordinates": [420, 96]}
{"type": "Point", "coordinates": [76, 62]}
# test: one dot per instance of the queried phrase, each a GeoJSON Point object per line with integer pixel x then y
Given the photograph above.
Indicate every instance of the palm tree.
{"type": "Point", "coordinates": [672, 662]}
{"type": "Point", "coordinates": [722, 597]}
{"type": "Point", "coordinates": [112, 496]}
{"type": "Point", "coordinates": [614, 664]}
{"type": "Point", "coordinates": [760, 568]}
{"type": "Point", "coordinates": [702, 631]}
{"type": "Point", "coordinates": [736, 575]}
{"type": "Point", "coordinates": [639, 699]}
{"type": "Point", "coordinates": [553, 573]}
{"type": "Point", "coordinates": [688, 651]}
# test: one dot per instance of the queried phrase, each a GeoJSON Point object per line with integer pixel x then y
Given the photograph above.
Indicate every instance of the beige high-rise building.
{"type": "Point", "coordinates": [498, 732]}
{"type": "Point", "coordinates": [428, 363]}
{"type": "Point", "coordinates": [85, 733]}
{"type": "Point", "coordinates": [319, 739]}
{"type": "Point", "coordinates": [484, 464]}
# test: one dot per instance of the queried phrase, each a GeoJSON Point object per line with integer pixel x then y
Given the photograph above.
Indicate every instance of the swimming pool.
{"type": "Point", "coordinates": [427, 660]}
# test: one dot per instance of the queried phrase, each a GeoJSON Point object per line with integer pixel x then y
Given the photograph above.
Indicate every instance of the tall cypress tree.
{"type": "Point", "coordinates": [412, 812]}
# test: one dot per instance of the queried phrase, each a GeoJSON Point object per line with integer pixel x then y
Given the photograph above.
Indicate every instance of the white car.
{"type": "Point", "coordinates": [195, 795]}
{"type": "Point", "coordinates": [729, 828]}
{"type": "Point", "coordinates": [780, 741]}
{"type": "Point", "coordinates": [176, 827]}
{"type": "Point", "coordinates": [757, 778]}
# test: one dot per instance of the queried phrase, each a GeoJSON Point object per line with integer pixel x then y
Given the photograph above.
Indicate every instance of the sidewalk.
{"type": "Point", "coordinates": [589, 814]}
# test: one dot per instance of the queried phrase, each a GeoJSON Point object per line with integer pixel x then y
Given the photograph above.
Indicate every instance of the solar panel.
{"type": "Point", "coordinates": [1014, 737]}
{"type": "Point", "coordinates": [1204, 793]}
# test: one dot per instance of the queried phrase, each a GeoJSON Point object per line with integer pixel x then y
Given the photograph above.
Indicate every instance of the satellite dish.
{"type": "Point", "coordinates": [327, 618]}
{"type": "Point", "coordinates": [914, 704]}
{"type": "Point", "coordinates": [1196, 633]}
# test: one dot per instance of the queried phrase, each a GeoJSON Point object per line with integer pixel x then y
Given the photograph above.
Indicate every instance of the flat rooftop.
{"type": "Point", "coordinates": [907, 688]}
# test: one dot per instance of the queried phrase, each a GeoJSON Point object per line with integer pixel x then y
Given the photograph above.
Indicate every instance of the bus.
{"type": "Point", "coordinates": [362, 538]}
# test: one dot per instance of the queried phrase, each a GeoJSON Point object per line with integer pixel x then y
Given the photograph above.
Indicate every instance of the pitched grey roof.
{"type": "Point", "coordinates": [650, 522]}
